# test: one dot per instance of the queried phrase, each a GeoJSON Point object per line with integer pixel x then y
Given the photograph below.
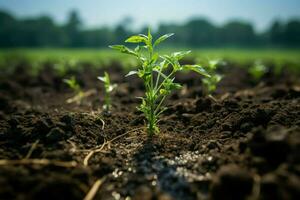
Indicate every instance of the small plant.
{"type": "Point", "coordinates": [210, 83]}
{"type": "Point", "coordinates": [257, 70]}
{"type": "Point", "coordinates": [79, 94]}
{"type": "Point", "coordinates": [108, 89]}
{"type": "Point", "coordinates": [158, 74]}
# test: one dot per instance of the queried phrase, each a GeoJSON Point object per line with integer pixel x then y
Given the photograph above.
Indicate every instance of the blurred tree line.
{"type": "Point", "coordinates": [44, 32]}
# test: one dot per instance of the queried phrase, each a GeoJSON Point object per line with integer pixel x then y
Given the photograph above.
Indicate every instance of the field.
{"type": "Point", "coordinates": [242, 143]}
{"type": "Point", "coordinates": [105, 55]}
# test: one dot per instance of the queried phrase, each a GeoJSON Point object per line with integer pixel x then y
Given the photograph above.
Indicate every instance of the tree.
{"type": "Point", "coordinates": [237, 33]}
{"type": "Point", "coordinates": [200, 32]}
{"type": "Point", "coordinates": [276, 33]}
{"type": "Point", "coordinates": [292, 33]}
{"type": "Point", "coordinates": [72, 29]}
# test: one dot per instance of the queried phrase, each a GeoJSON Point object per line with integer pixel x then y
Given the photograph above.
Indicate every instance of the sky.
{"type": "Point", "coordinates": [152, 12]}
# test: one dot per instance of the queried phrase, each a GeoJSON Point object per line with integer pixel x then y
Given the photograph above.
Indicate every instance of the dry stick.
{"type": "Point", "coordinates": [94, 189]}
{"type": "Point", "coordinates": [32, 148]}
{"type": "Point", "coordinates": [67, 164]}
{"type": "Point", "coordinates": [91, 153]}
{"type": "Point", "coordinates": [103, 124]}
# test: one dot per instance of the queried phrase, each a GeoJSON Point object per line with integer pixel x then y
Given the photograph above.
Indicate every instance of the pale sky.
{"type": "Point", "coordinates": [110, 12]}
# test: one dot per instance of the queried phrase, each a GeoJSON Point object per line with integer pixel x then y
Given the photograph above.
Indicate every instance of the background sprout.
{"type": "Point", "coordinates": [257, 70]}
{"type": "Point", "coordinates": [210, 83]}
{"type": "Point", "coordinates": [79, 94]}
{"type": "Point", "coordinates": [108, 90]}
{"type": "Point", "coordinates": [158, 74]}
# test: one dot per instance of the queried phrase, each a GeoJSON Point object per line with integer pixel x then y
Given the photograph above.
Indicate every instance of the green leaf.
{"type": "Point", "coordinates": [131, 73]}
{"type": "Point", "coordinates": [161, 74]}
{"type": "Point", "coordinates": [217, 78]}
{"type": "Point", "coordinates": [123, 49]}
{"type": "Point", "coordinates": [112, 87]}
{"type": "Point", "coordinates": [213, 63]}
{"type": "Point", "coordinates": [154, 58]}
{"type": "Point", "coordinates": [179, 55]}
{"type": "Point", "coordinates": [101, 78]}
{"type": "Point", "coordinates": [107, 79]}
{"type": "Point", "coordinates": [163, 38]}
{"type": "Point", "coordinates": [164, 92]}
{"type": "Point", "coordinates": [136, 39]}
{"type": "Point", "coordinates": [169, 85]}
{"type": "Point", "coordinates": [137, 49]}
{"type": "Point", "coordinates": [164, 64]}
{"type": "Point", "coordinates": [145, 36]}
{"type": "Point", "coordinates": [104, 78]}
{"type": "Point", "coordinates": [175, 86]}
{"type": "Point", "coordinates": [168, 59]}
{"type": "Point", "coordinates": [196, 68]}
{"type": "Point", "coordinates": [149, 35]}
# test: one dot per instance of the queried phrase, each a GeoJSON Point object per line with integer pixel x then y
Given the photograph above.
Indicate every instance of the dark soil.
{"type": "Point", "coordinates": [244, 145]}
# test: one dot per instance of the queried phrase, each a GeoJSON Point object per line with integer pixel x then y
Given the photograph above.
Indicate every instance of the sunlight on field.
{"type": "Point", "coordinates": [238, 55]}
{"type": "Point", "coordinates": [103, 57]}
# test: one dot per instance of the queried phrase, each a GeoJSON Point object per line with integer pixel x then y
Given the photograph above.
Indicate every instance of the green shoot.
{"type": "Point", "coordinates": [257, 70]}
{"type": "Point", "coordinates": [79, 94]}
{"type": "Point", "coordinates": [158, 74]}
{"type": "Point", "coordinates": [108, 90]}
{"type": "Point", "coordinates": [210, 83]}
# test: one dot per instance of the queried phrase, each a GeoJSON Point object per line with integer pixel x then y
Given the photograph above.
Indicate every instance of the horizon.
{"type": "Point", "coordinates": [260, 14]}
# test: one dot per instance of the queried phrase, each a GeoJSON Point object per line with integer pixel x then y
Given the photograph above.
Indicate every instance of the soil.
{"type": "Point", "coordinates": [244, 145]}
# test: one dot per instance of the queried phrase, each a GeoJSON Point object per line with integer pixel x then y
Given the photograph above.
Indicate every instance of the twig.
{"type": "Point", "coordinates": [103, 124]}
{"type": "Point", "coordinates": [91, 153]}
{"type": "Point", "coordinates": [32, 148]}
{"type": "Point", "coordinates": [94, 189]}
{"type": "Point", "coordinates": [212, 98]}
{"type": "Point", "coordinates": [66, 164]}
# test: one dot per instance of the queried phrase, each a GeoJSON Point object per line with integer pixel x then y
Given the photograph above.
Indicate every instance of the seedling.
{"type": "Point", "coordinates": [257, 70]}
{"type": "Point", "coordinates": [79, 94]}
{"type": "Point", "coordinates": [158, 74]}
{"type": "Point", "coordinates": [108, 90]}
{"type": "Point", "coordinates": [210, 83]}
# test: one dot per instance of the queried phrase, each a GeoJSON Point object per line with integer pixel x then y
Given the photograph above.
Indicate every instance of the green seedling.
{"type": "Point", "coordinates": [257, 70]}
{"type": "Point", "coordinates": [108, 90]}
{"type": "Point", "coordinates": [158, 74]}
{"type": "Point", "coordinates": [210, 83]}
{"type": "Point", "coordinates": [79, 94]}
